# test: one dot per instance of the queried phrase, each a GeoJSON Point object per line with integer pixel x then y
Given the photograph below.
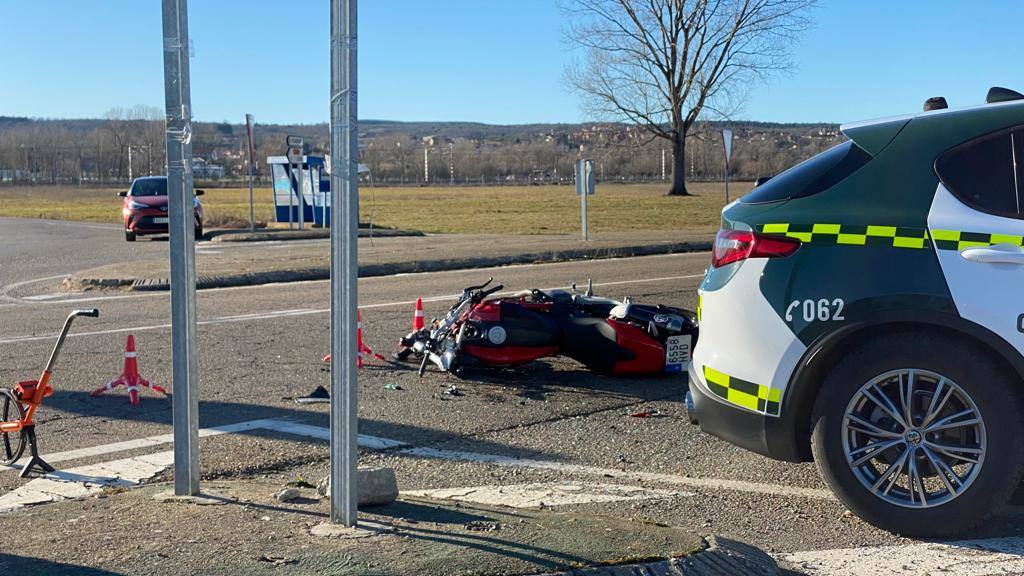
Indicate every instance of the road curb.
{"type": "Point", "coordinates": [278, 235]}
{"type": "Point", "coordinates": [372, 270]}
{"type": "Point", "coordinates": [722, 557]}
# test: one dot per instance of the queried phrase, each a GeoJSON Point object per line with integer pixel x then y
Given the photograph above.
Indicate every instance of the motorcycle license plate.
{"type": "Point", "coordinates": [677, 353]}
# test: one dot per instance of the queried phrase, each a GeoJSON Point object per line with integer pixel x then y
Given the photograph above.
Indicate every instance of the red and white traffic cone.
{"type": "Point", "coordinates": [363, 349]}
{"type": "Point", "coordinates": [417, 316]}
{"type": "Point", "coordinates": [130, 377]}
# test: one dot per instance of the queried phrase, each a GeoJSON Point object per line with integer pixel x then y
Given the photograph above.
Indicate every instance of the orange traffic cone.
{"type": "Point", "coordinates": [417, 316]}
{"type": "Point", "coordinates": [363, 349]}
{"type": "Point", "coordinates": [130, 377]}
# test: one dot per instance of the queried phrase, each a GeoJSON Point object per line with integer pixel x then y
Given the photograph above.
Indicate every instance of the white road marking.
{"type": "Point", "coordinates": [545, 494]}
{"type": "Point", "coordinates": [309, 311]}
{"type": "Point", "coordinates": [84, 481]}
{"type": "Point", "coordinates": [709, 483]}
{"type": "Point", "coordinates": [295, 428]}
{"type": "Point", "coordinates": [131, 471]}
{"type": "Point", "coordinates": [82, 225]}
{"type": "Point", "coordinates": [957, 558]}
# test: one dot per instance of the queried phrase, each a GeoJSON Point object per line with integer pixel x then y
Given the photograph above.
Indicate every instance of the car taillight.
{"type": "Point", "coordinates": [736, 245]}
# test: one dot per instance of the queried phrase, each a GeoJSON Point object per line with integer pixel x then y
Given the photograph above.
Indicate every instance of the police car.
{"type": "Point", "coordinates": [865, 309]}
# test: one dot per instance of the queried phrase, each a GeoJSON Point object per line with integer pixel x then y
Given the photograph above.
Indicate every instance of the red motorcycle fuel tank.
{"type": "Point", "coordinates": [510, 332]}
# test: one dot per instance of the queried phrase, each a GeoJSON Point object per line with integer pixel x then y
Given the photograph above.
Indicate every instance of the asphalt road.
{"type": "Point", "coordinates": [261, 345]}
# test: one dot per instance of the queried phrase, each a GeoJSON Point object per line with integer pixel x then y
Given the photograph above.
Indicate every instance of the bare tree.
{"type": "Point", "coordinates": [662, 64]}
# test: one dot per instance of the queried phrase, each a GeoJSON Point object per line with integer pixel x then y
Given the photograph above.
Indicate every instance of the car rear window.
{"type": "Point", "coordinates": [811, 176]}
{"type": "Point", "coordinates": [987, 173]}
{"type": "Point", "coordinates": [154, 187]}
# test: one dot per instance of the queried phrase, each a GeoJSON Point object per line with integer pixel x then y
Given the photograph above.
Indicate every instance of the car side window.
{"type": "Point", "coordinates": [986, 173]}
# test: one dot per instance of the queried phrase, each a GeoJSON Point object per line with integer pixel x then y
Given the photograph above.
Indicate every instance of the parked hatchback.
{"type": "Point", "coordinates": [145, 208]}
{"type": "Point", "coordinates": [863, 309]}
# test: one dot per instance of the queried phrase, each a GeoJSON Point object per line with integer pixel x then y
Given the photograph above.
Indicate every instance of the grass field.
{"type": "Point", "coordinates": [505, 209]}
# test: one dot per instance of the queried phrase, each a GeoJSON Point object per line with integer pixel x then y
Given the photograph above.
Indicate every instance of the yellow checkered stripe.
{"type": "Point", "coordinates": [958, 239]}
{"type": "Point", "coordinates": [700, 304]}
{"type": "Point", "coordinates": [755, 397]}
{"type": "Point", "coordinates": [843, 234]}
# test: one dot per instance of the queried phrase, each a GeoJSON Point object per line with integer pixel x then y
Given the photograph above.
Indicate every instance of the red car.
{"type": "Point", "coordinates": [145, 208]}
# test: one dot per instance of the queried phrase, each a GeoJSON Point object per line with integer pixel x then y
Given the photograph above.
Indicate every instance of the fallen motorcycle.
{"type": "Point", "coordinates": [603, 334]}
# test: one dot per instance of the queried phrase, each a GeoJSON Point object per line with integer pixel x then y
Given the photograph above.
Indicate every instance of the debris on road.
{"type": "Point", "coordinates": [287, 495]}
{"type": "Point", "coordinates": [482, 526]}
{"type": "Point", "coordinates": [645, 413]}
{"type": "Point", "coordinates": [377, 486]}
{"type": "Point", "coordinates": [453, 390]}
{"type": "Point", "coordinates": [276, 560]}
{"type": "Point", "coordinates": [318, 396]}
{"type": "Point", "coordinates": [392, 386]}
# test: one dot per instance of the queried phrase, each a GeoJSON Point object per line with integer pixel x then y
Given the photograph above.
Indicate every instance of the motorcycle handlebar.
{"type": "Point", "coordinates": [92, 313]}
{"type": "Point", "coordinates": [487, 293]}
{"type": "Point", "coordinates": [480, 287]}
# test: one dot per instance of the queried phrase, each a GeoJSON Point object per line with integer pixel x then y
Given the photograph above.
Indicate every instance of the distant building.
{"type": "Point", "coordinates": [201, 169]}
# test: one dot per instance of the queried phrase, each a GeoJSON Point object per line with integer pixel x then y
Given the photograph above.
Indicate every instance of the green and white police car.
{"type": "Point", "coordinates": [865, 309]}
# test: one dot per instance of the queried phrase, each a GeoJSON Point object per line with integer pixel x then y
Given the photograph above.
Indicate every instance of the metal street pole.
{"type": "Point", "coordinates": [181, 223]}
{"type": "Point", "coordinates": [344, 266]}
{"type": "Point", "coordinates": [248, 132]}
{"type": "Point", "coordinates": [300, 182]}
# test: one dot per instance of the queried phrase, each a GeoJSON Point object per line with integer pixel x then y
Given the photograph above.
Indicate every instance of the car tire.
{"type": "Point", "coordinates": [129, 236]}
{"type": "Point", "coordinates": [974, 384]}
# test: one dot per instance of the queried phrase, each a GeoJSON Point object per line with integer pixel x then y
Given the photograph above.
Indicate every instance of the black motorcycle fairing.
{"type": "Point", "coordinates": [593, 343]}
{"type": "Point", "coordinates": [522, 327]}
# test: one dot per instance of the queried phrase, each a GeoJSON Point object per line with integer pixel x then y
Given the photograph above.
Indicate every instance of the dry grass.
{"type": "Point", "coordinates": [502, 209]}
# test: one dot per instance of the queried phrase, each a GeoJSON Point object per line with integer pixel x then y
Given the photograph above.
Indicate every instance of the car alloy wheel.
{"type": "Point", "coordinates": [914, 438]}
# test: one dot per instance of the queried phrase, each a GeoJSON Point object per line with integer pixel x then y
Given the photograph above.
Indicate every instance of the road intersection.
{"type": "Point", "coordinates": [549, 424]}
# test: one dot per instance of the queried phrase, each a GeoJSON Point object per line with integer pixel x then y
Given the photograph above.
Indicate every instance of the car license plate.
{"type": "Point", "coordinates": [677, 353]}
{"type": "Point", "coordinates": [160, 220]}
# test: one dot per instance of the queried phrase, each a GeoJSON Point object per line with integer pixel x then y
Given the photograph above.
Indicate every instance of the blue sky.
{"type": "Point", "coordinates": [473, 60]}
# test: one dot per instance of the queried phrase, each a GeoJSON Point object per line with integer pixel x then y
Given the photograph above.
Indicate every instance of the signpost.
{"type": "Point", "coordinates": [585, 184]}
{"type": "Point", "coordinates": [181, 224]}
{"type": "Point", "coordinates": [727, 150]}
{"type": "Point", "coordinates": [344, 266]}
{"type": "Point", "coordinates": [295, 158]}
{"type": "Point", "coordinates": [252, 161]}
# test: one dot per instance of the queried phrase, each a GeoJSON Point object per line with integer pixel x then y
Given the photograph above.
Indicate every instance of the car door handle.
{"type": "Point", "coordinates": [997, 254]}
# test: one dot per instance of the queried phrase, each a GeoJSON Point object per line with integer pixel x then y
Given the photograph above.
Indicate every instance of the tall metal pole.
{"type": "Point", "coordinates": [300, 182]}
{"type": "Point", "coordinates": [252, 160]}
{"type": "Point", "coordinates": [344, 266]}
{"type": "Point", "coordinates": [181, 218]}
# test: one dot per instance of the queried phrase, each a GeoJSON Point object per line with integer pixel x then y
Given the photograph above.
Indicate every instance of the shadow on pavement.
{"type": "Point", "coordinates": [215, 413]}
{"type": "Point", "coordinates": [24, 566]}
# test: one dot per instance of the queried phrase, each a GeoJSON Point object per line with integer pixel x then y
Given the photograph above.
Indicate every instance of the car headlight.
{"type": "Point", "coordinates": [137, 205]}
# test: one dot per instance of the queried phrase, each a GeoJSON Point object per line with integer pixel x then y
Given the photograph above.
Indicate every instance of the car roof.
{"type": "Point", "coordinates": [938, 129]}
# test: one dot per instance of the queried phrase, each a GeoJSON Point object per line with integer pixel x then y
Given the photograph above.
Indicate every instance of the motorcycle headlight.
{"type": "Point", "coordinates": [137, 205]}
